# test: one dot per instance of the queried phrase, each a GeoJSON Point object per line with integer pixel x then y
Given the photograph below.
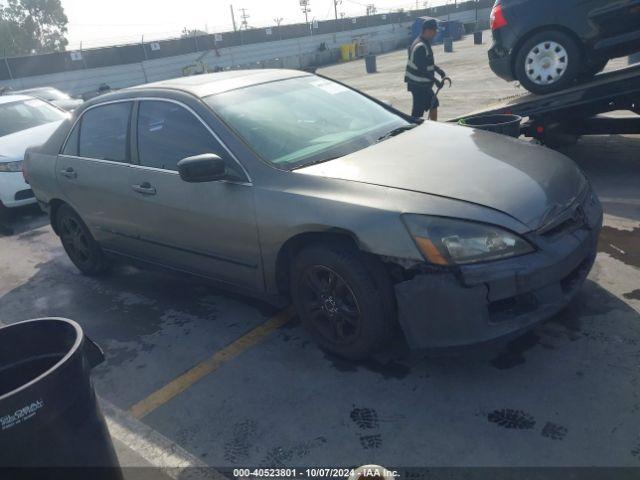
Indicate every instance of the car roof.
{"type": "Point", "coordinates": [13, 98]}
{"type": "Point", "coordinates": [219, 82]}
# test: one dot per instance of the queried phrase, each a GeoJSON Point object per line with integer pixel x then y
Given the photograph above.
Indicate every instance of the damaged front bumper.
{"type": "Point", "coordinates": [480, 303]}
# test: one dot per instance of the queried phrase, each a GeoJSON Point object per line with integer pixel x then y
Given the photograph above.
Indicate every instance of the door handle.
{"type": "Point", "coordinates": [70, 173]}
{"type": "Point", "coordinates": [144, 188]}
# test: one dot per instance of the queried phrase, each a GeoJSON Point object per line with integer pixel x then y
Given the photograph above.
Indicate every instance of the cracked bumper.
{"type": "Point", "coordinates": [485, 302]}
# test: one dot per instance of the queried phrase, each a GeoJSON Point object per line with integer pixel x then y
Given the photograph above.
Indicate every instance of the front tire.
{"type": "Point", "coordinates": [77, 241]}
{"type": "Point", "coordinates": [547, 62]}
{"type": "Point", "coordinates": [344, 299]}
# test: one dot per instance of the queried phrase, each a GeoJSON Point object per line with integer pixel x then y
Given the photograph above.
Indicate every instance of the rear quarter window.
{"type": "Point", "coordinates": [71, 147]}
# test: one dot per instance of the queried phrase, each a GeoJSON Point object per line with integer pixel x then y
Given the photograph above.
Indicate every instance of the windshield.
{"type": "Point", "coordinates": [296, 122]}
{"type": "Point", "coordinates": [17, 116]}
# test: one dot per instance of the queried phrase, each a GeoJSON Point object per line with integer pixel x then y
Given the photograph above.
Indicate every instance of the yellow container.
{"type": "Point", "coordinates": [345, 52]}
{"type": "Point", "coordinates": [353, 50]}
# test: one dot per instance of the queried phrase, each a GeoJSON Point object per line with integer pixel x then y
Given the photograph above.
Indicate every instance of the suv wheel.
{"type": "Point", "coordinates": [344, 300]}
{"type": "Point", "coordinates": [549, 61]}
{"type": "Point", "coordinates": [81, 247]}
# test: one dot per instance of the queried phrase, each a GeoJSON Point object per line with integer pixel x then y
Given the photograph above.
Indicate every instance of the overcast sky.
{"type": "Point", "coordinates": [105, 22]}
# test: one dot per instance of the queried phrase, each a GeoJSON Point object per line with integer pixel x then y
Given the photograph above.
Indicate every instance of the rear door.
{"type": "Point", "coordinates": [94, 172]}
{"type": "Point", "coordinates": [205, 228]}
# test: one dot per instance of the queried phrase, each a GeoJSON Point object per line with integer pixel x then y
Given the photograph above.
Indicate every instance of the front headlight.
{"type": "Point", "coordinates": [11, 166]}
{"type": "Point", "coordinates": [445, 241]}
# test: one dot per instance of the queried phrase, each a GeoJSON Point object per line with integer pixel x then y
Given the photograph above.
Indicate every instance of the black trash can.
{"type": "Point", "coordinates": [49, 414]}
{"type": "Point", "coordinates": [448, 44]}
{"type": "Point", "coordinates": [504, 124]}
{"type": "Point", "coordinates": [477, 38]}
{"type": "Point", "coordinates": [371, 63]}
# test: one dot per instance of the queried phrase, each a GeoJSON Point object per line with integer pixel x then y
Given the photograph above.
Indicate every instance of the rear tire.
{"type": "Point", "coordinates": [344, 299]}
{"type": "Point", "coordinates": [77, 241]}
{"type": "Point", "coordinates": [547, 62]}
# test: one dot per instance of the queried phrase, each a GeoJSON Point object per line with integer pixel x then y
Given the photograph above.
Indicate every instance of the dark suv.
{"type": "Point", "coordinates": [549, 44]}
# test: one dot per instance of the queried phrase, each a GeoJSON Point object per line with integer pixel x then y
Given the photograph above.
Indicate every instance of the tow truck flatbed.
{"type": "Point", "coordinates": [564, 116]}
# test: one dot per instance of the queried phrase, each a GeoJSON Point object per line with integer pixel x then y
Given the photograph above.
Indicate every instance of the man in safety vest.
{"type": "Point", "coordinates": [419, 75]}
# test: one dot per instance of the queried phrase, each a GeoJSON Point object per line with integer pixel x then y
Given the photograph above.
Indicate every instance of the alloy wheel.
{"type": "Point", "coordinates": [331, 305]}
{"type": "Point", "coordinates": [75, 240]}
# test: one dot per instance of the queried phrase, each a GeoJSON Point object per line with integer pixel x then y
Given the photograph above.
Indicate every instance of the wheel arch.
{"type": "Point", "coordinates": [544, 28]}
{"type": "Point", "coordinates": [299, 241]}
{"type": "Point", "coordinates": [54, 207]}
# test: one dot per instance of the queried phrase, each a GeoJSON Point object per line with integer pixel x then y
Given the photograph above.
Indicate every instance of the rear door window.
{"type": "Point", "coordinates": [104, 132]}
{"type": "Point", "coordinates": [167, 133]}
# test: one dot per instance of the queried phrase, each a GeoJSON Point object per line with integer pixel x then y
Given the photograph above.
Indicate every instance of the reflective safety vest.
{"type": "Point", "coordinates": [421, 65]}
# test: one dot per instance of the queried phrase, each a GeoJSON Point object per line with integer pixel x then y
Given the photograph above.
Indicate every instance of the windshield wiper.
{"type": "Point", "coordinates": [316, 162]}
{"type": "Point", "coordinates": [396, 131]}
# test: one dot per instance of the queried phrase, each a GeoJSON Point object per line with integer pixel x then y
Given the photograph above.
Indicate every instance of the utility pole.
{"type": "Point", "coordinates": [335, 7]}
{"type": "Point", "coordinates": [371, 9]}
{"type": "Point", "coordinates": [306, 10]}
{"type": "Point", "coordinates": [244, 16]}
{"type": "Point", "coordinates": [233, 19]}
{"type": "Point", "coordinates": [278, 21]}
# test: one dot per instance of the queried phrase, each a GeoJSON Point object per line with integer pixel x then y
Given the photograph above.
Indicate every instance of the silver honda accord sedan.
{"type": "Point", "coordinates": [290, 186]}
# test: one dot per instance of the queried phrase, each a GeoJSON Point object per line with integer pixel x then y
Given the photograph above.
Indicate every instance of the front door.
{"type": "Point", "coordinates": [205, 228]}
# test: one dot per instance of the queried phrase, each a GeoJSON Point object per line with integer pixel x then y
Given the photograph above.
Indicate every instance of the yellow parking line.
{"type": "Point", "coordinates": [187, 379]}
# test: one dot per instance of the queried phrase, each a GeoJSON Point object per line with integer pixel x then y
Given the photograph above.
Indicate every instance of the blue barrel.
{"type": "Point", "coordinates": [448, 44]}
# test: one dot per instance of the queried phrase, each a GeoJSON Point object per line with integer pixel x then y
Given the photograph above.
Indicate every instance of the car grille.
{"type": "Point", "coordinates": [24, 194]}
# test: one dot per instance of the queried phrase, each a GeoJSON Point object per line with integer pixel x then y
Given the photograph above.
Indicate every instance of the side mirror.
{"type": "Point", "coordinates": [202, 168]}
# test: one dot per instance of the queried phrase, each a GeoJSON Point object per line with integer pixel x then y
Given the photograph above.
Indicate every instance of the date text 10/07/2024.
{"type": "Point", "coordinates": [370, 471]}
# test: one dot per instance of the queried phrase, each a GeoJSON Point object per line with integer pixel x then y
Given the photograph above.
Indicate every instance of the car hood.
{"type": "Point", "coordinates": [528, 182]}
{"type": "Point", "coordinates": [12, 146]}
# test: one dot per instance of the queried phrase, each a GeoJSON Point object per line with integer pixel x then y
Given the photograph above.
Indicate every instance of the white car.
{"type": "Point", "coordinates": [53, 96]}
{"type": "Point", "coordinates": [24, 122]}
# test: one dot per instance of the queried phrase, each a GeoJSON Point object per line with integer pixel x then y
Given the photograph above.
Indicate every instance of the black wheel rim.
{"type": "Point", "coordinates": [331, 305]}
{"type": "Point", "coordinates": [74, 240]}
